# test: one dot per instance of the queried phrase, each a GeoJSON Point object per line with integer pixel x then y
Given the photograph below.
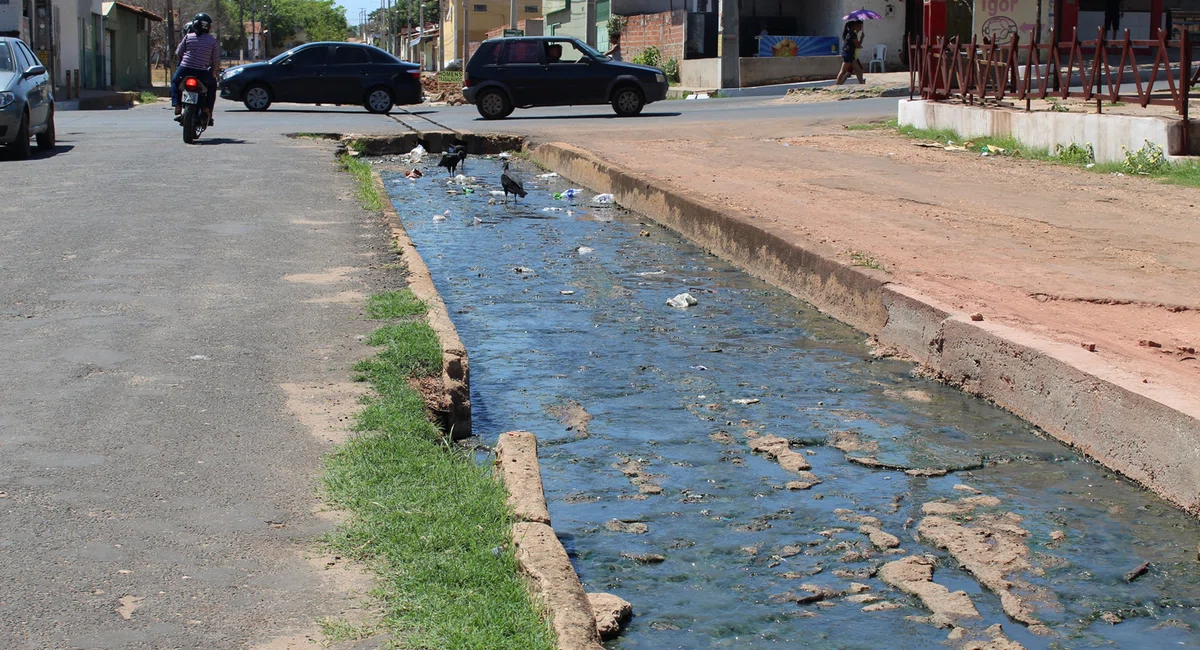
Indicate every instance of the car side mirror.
{"type": "Point", "coordinates": [35, 71]}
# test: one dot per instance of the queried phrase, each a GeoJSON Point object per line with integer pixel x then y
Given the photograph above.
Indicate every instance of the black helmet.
{"type": "Point", "coordinates": [201, 23]}
{"type": "Point", "coordinates": [188, 29]}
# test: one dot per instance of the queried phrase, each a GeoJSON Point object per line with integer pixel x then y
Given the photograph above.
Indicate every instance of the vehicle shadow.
{"type": "Point", "coordinates": [594, 116]}
{"type": "Point", "coordinates": [207, 141]}
{"type": "Point", "coordinates": [327, 111]}
{"type": "Point", "coordinates": [36, 154]}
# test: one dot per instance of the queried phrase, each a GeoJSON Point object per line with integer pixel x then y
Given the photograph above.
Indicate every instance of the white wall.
{"type": "Point", "coordinates": [888, 31]}
{"type": "Point", "coordinates": [1137, 22]}
{"type": "Point", "coordinates": [10, 16]}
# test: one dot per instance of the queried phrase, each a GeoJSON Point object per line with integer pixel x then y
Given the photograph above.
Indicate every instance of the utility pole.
{"type": "Point", "coordinates": [242, 27]}
{"type": "Point", "coordinates": [441, 57]}
{"type": "Point", "coordinates": [421, 32]}
{"type": "Point", "coordinates": [466, 41]}
{"type": "Point", "coordinates": [512, 14]}
{"type": "Point", "coordinates": [266, 30]}
{"type": "Point", "coordinates": [170, 39]}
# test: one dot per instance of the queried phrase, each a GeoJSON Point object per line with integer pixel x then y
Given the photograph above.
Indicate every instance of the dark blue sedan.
{"type": "Point", "coordinates": [26, 99]}
{"type": "Point", "coordinates": [325, 73]}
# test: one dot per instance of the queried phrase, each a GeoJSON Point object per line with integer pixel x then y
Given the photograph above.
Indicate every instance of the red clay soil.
{"type": "Point", "coordinates": [1071, 255]}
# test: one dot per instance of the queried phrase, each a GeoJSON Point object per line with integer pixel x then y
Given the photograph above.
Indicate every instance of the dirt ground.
{"type": "Point", "coordinates": [1075, 256]}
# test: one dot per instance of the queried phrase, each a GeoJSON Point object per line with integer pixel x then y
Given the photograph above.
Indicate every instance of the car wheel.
{"type": "Point", "coordinates": [257, 98]}
{"type": "Point", "coordinates": [45, 139]}
{"type": "Point", "coordinates": [493, 105]}
{"type": "Point", "coordinates": [627, 101]}
{"type": "Point", "coordinates": [21, 144]}
{"type": "Point", "coordinates": [379, 100]}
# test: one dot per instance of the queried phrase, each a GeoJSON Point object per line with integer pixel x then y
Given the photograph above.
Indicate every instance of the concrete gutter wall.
{"type": "Point", "coordinates": [1106, 133]}
{"type": "Point", "coordinates": [1150, 434]}
{"type": "Point", "coordinates": [456, 375]}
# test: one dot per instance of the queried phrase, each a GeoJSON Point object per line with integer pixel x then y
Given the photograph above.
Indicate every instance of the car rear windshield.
{"type": "Point", "coordinates": [523, 52]}
{"type": "Point", "coordinates": [487, 54]}
{"type": "Point", "coordinates": [6, 59]}
{"type": "Point", "coordinates": [379, 56]}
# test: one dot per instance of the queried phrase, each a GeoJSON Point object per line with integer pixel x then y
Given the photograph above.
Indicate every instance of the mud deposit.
{"type": "Point", "coordinates": [655, 426]}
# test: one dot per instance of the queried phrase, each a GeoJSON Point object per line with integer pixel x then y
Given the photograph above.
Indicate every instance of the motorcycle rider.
{"type": "Point", "coordinates": [198, 55]}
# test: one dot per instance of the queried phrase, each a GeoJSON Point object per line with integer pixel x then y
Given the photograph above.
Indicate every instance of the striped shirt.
{"type": "Point", "coordinates": [199, 52]}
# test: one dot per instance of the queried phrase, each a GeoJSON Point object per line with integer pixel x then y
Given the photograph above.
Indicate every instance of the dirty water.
{"type": "Point", "coordinates": [563, 312]}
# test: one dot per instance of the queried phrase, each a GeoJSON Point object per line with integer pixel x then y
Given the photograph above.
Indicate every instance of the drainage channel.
{"type": "Point", "coordinates": [646, 415]}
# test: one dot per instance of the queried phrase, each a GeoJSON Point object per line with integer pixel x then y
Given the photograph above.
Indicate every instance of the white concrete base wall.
{"type": "Point", "coordinates": [1106, 133]}
{"type": "Point", "coordinates": [700, 73]}
{"type": "Point", "coordinates": [777, 70]}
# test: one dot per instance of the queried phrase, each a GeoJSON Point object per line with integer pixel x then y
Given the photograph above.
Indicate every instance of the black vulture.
{"type": "Point", "coordinates": [461, 152]}
{"type": "Point", "coordinates": [450, 162]}
{"type": "Point", "coordinates": [510, 184]}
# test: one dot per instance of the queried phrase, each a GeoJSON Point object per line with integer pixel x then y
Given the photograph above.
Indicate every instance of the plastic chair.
{"type": "Point", "coordinates": [880, 56]}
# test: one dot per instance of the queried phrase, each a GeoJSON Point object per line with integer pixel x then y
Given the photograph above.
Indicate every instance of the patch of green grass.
{"type": "Point", "coordinates": [313, 135]}
{"type": "Point", "coordinates": [411, 348]}
{"type": "Point", "coordinates": [868, 126]}
{"type": "Point", "coordinates": [147, 97]}
{"type": "Point", "coordinates": [394, 304]}
{"type": "Point", "coordinates": [859, 258]}
{"type": "Point", "coordinates": [427, 518]}
{"type": "Point", "coordinates": [338, 630]}
{"type": "Point", "coordinates": [364, 181]}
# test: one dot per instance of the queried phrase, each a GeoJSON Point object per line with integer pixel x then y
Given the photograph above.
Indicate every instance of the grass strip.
{"type": "Point", "coordinates": [1185, 172]}
{"type": "Point", "coordinates": [147, 97]}
{"type": "Point", "coordinates": [394, 304]}
{"type": "Point", "coordinates": [425, 516]}
{"type": "Point", "coordinates": [364, 181]}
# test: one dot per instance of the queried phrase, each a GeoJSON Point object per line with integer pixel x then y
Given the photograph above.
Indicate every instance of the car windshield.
{"type": "Point", "coordinates": [6, 59]}
{"type": "Point", "coordinates": [587, 48]}
{"type": "Point", "coordinates": [283, 56]}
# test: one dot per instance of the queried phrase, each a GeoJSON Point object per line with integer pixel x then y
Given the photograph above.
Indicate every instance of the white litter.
{"type": "Point", "coordinates": [460, 180]}
{"type": "Point", "coordinates": [745, 402]}
{"type": "Point", "coordinates": [567, 292]}
{"type": "Point", "coordinates": [682, 301]}
{"type": "Point", "coordinates": [584, 250]}
{"type": "Point", "coordinates": [505, 156]}
{"type": "Point", "coordinates": [602, 199]}
{"type": "Point", "coordinates": [497, 192]}
{"type": "Point", "coordinates": [198, 357]}
{"type": "Point", "coordinates": [571, 193]}
{"type": "Point", "coordinates": [552, 209]}
{"type": "Point", "coordinates": [645, 273]}
{"type": "Point", "coordinates": [442, 217]}
{"type": "Point", "coordinates": [548, 175]}
{"type": "Point", "coordinates": [413, 157]}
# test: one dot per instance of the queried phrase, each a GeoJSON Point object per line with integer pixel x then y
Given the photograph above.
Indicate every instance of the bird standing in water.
{"type": "Point", "coordinates": [451, 159]}
{"type": "Point", "coordinates": [461, 152]}
{"type": "Point", "coordinates": [510, 184]}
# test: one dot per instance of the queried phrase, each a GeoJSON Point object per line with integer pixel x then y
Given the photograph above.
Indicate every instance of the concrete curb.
{"type": "Point", "coordinates": [456, 381]}
{"type": "Point", "coordinates": [1148, 433]}
{"type": "Point", "coordinates": [98, 102]}
{"type": "Point", "coordinates": [540, 555]}
{"type": "Point", "coordinates": [518, 468]}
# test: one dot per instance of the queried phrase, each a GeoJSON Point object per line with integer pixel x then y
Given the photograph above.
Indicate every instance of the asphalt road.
{"type": "Point", "coordinates": [162, 308]}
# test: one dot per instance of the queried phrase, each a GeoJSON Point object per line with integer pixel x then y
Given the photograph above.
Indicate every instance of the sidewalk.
{"type": "Point", "coordinates": [94, 100]}
{"type": "Point", "coordinates": [891, 80]}
{"type": "Point", "coordinates": [1068, 255]}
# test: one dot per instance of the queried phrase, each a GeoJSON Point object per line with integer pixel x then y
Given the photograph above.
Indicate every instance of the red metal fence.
{"type": "Point", "coordinates": [972, 71]}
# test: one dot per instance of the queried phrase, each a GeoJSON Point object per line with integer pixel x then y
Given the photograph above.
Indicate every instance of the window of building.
{"type": "Point", "coordinates": [480, 9]}
{"type": "Point", "coordinates": [531, 9]}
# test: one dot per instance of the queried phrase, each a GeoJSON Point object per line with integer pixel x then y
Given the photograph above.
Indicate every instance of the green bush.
{"type": "Point", "coordinates": [1074, 154]}
{"type": "Point", "coordinates": [616, 25]}
{"type": "Point", "coordinates": [671, 69]}
{"type": "Point", "coordinates": [1145, 161]}
{"type": "Point", "coordinates": [649, 56]}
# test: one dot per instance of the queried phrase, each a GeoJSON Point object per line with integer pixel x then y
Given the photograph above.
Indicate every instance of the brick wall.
{"type": "Point", "coordinates": [664, 31]}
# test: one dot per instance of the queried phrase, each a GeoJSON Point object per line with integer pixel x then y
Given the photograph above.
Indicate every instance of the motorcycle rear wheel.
{"type": "Point", "coordinates": [190, 115]}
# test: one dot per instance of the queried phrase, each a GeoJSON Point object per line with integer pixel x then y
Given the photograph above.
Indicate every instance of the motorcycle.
{"type": "Point", "coordinates": [195, 116]}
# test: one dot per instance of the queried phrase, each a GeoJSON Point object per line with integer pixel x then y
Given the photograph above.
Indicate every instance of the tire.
{"type": "Point", "coordinates": [627, 101]}
{"type": "Point", "coordinates": [20, 146]}
{"type": "Point", "coordinates": [190, 113]}
{"type": "Point", "coordinates": [45, 139]}
{"type": "Point", "coordinates": [379, 100]}
{"type": "Point", "coordinates": [493, 104]}
{"type": "Point", "coordinates": [257, 98]}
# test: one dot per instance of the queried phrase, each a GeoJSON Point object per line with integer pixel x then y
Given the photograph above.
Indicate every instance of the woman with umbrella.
{"type": "Point", "coordinates": [852, 40]}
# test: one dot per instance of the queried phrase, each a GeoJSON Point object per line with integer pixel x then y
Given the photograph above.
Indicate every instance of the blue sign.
{"type": "Point", "coordinates": [797, 46]}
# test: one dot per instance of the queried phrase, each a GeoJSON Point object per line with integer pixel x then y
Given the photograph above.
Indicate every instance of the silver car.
{"type": "Point", "coordinates": [26, 99]}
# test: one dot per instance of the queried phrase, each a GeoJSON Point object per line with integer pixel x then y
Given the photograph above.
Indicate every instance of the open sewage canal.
{"type": "Point", "coordinates": [646, 415]}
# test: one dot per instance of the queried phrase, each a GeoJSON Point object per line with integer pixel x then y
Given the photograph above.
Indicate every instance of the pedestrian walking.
{"type": "Point", "coordinates": [1112, 17]}
{"type": "Point", "coordinates": [852, 38]}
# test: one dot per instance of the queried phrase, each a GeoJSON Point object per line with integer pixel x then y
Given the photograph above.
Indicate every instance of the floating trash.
{"type": "Point", "coordinates": [603, 199]}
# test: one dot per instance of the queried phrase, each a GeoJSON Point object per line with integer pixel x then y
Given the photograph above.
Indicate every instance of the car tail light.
{"type": "Point", "coordinates": [191, 83]}
{"type": "Point", "coordinates": [466, 79]}
{"type": "Point", "coordinates": [416, 74]}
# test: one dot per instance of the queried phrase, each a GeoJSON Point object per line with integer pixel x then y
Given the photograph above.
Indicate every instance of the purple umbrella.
{"type": "Point", "coordinates": [862, 14]}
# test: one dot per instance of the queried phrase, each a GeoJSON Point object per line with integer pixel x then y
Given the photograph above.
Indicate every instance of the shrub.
{"type": "Point", "coordinates": [616, 25]}
{"type": "Point", "coordinates": [1074, 154]}
{"type": "Point", "coordinates": [1145, 161]}
{"type": "Point", "coordinates": [649, 56]}
{"type": "Point", "coordinates": [671, 69]}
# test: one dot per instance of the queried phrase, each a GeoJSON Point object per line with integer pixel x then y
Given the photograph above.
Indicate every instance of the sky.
{"type": "Point", "coordinates": [353, 7]}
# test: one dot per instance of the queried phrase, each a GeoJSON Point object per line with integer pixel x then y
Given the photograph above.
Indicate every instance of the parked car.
{"type": "Point", "coordinates": [325, 73]}
{"type": "Point", "coordinates": [522, 72]}
{"type": "Point", "coordinates": [26, 99]}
